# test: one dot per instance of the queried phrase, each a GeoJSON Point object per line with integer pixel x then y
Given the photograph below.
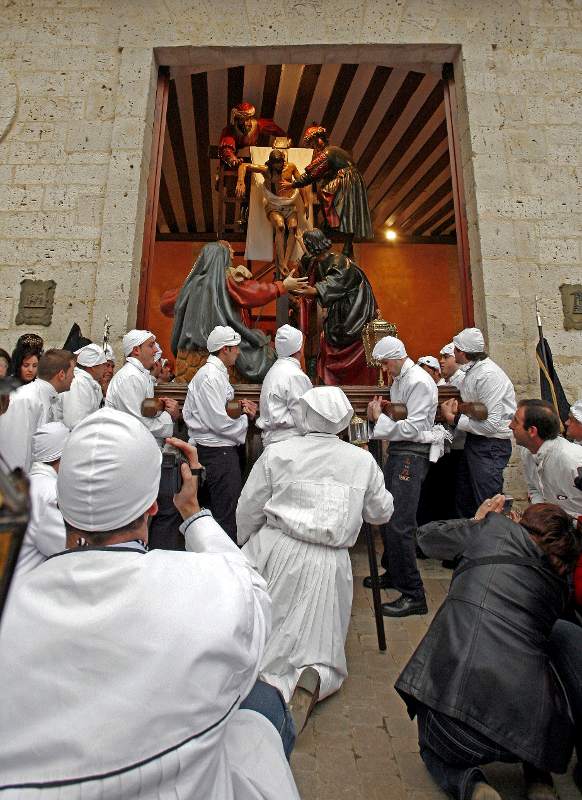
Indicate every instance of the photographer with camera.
{"type": "Point", "coordinates": [146, 663]}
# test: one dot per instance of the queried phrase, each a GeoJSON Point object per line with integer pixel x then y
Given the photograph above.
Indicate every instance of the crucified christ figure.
{"type": "Point", "coordinates": [282, 204]}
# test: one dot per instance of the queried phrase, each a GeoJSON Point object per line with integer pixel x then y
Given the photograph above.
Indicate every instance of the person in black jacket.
{"type": "Point", "coordinates": [480, 682]}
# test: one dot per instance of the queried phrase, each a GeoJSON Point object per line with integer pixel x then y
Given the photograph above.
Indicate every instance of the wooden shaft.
{"type": "Point", "coordinates": [152, 406]}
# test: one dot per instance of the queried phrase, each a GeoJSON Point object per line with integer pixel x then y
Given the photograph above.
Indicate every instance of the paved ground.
{"type": "Point", "coordinates": [359, 743]}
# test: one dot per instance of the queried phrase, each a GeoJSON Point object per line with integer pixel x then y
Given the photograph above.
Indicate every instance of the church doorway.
{"type": "Point", "coordinates": [400, 123]}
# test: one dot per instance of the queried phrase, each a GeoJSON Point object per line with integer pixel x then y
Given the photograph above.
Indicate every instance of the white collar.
{"type": "Point", "coordinates": [546, 447]}
{"type": "Point", "coordinates": [408, 364]}
{"type": "Point", "coordinates": [46, 388]}
{"type": "Point", "coordinates": [84, 375]}
{"type": "Point", "coordinates": [216, 362]}
{"type": "Point", "coordinates": [137, 363]}
{"type": "Point", "coordinates": [40, 468]}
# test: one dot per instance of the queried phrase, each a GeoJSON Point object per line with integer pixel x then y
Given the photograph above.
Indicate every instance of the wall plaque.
{"type": "Point", "coordinates": [572, 304]}
{"type": "Point", "coordinates": [35, 306]}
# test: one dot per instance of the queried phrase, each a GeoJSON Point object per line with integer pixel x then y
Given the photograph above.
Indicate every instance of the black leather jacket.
{"type": "Point", "coordinates": [483, 659]}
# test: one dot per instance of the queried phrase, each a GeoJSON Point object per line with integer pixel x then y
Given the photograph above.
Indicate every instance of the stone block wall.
{"type": "Point", "coordinates": [77, 87]}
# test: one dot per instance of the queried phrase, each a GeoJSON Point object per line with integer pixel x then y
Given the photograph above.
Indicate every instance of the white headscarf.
{"type": "Point", "coordinates": [90, 356]}
{"type": "Point", "coordinates": [109, 472]}
{"type": "Point", "coordinates": [470, 340]}
{"type": "Point", "coordinates": [222, 336]}
{"type": "Point", "coordinates": [49, 441]}
{"type": "Point", "coordinates": [448, 349]}
{"type": "Point", "coordinates": [326, 409]}
{"type": "Point", "coordinates": [158, 353]}
{"type": "Point", "coordinates": [109, 354]}
{"type": "Point", "coordinates": [133, 339]}
{"type": "Point", "coordinates": [576, 410]}
{"type": "Point", "coordinates": [429, 361]}
{"type": "Point", "coordinates": [288, 341]}
{"type": "Point", "coordinates": [389, 347]}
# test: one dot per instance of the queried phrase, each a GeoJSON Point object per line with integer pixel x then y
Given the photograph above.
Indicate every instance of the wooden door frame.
{"type": "Point", "coordinates": [461, 228]}
{"type": "Point", "coordinates": [153, 195]}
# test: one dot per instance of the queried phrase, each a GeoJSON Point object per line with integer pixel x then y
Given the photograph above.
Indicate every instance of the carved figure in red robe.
{"type": "Point", "coordinates": [244, 130]}
{"type": "Point", "coordinates": [218, 293]}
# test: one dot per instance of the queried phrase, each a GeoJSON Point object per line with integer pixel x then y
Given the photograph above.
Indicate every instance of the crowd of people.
{"type": "Point", "coordinates": [184, 615]}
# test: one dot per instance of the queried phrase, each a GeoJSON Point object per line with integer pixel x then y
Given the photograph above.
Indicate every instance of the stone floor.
{"type": "Point", "coordinates": [359, 743]}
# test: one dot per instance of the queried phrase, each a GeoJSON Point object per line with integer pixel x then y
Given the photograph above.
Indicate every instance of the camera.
{"type": "Point", "coordinates": [171, 477]}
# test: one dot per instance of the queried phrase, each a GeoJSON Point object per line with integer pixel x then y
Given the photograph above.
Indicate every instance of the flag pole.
{"type": "Point", "coordinates": [541, 335]}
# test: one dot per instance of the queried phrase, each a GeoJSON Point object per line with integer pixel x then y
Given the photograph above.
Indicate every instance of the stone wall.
{"type": "Point", "coordinates": [77, 87]}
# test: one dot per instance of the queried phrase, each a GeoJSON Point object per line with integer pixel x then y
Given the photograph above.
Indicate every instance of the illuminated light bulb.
{"type": "Point", "coordinates": [391, 235]}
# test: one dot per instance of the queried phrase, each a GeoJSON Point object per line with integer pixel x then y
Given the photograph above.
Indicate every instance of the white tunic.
{"type": "Point", "coordinates": [83, 398]}
{"type": "Point", "coordinates": [530, 472]}
{"type": "Point", "coordinates": [128, 389]}
{"type": "Point", "coordinates": [299, 512]}
{"type": "Point", "coordinates": [141, 663]}
{"type": "Point", "coordinates": [281, 415]}
{"type": "Point", "coordinates": [487, 383]}
{"type": "Point", "coordinates": [30, 407]}
{"type": "Point", "coordinates": [204, 409]}
{"type": "Point", "coordinates": [456, 379]}
{"type": "Point", "coordinates": [416, 389]}
{"type": "Point", "coordinates": [45, 534]}
{"type": "Point", "coordinates": [557, 463]}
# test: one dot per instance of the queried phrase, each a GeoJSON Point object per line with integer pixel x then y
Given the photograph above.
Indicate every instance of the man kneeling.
{"type": "Point", "coordinates": [126, 670]}
{"type": "Point", "coordinates": [300, 511]}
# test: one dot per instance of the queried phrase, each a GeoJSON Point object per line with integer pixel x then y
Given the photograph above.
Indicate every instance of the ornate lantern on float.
{"type": "Point", "coordinates": [373, 331]}
{"type": "Point", "coordinates": [358, 431]}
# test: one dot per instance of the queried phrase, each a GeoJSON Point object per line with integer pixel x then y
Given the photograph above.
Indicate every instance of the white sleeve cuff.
{"type": "Point", "coordinates": [204, 535]}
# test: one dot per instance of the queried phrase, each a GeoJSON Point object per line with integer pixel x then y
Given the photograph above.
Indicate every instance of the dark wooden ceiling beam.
{"type": "Point", "coordinates": [428, 148]}
{"type": "Point", "coordinates": [341, 86]}
{"type": "Point", "coordinates": [443, 226]}
{"type": "Point", "coordinates": [429, 107]}
{"type": "Point", "coordinates": [239, 239]}
{"type": "Point", "coordinates": [236, 85]}
{"type": "Point", "coordinates": [270, 90]}
{"type": "Point", "coordinates": [439, 166]}
{"type": "Point", "coordinates": [432, 220]}
{"type": "Point", "coordinates": [408, 87]}
{"type": "Point", "coordinates": [303, 98]}
{"type": "Point", "coordinates": [175, 130]}
{"type": "Point", "coordinates": [365, 106]}
{"type": "Point", "coordinates": [442, 191]}
{"type": "Point", "coordinates": [166, 204]}
{"type": "Point", "coordinates": [199, 84]}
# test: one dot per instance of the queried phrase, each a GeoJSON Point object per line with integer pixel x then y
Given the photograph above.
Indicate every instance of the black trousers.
{"type": "Point", "coordinates": [164, 531]}
{"type": "Point", "coordinates": [453, 752]}
{"type": "Point", "coordinates": [223, 484]}
{"type": "Point", "coordinates": [437, 496]}
{"type": "Point", "coordinates": [404, 473]}
{"type": "Point", "coordinates": [480, 473]}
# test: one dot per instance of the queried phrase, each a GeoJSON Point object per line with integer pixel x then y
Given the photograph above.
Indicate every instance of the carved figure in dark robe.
{"type": "Point", "coordinates": [218, 293]}
{"type": "Point", "coordinates": [244, 130]}
{"type": "Point", "coordinates": [340, 188]}
{"type": "Point", "coordinates": [341, 287]}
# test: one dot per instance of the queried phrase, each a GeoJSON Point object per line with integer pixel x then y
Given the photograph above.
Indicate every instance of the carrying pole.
{"type": "Point", "coordinates": [375, 586]}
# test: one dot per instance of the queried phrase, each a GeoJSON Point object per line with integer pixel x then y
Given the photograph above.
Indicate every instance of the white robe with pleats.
{"type": "Point", "coordinates": [299, 512]}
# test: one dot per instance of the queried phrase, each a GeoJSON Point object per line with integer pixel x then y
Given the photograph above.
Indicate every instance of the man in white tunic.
{"type": "Point", "coordinates": [280, 411]}
{"type": "Point", "coordinates": [574, 422]}
{"type": "Point", "coordinates": [85, 395]}
{"type": "Point", "coordinates": [133, 384]}
{"type": "Point", "coordinates": [45, 534]}
{"type": "Point", "coordinates": [404, 472]}
{"type": "Point", "coordinates": [536, 426]}
{"type": "Point", "coordinates": [488, 444]}
{"type": "Point", "coordinates": [141, 660]}
{"type": "Point", "coordinates": [33, 405]}
{"type": "Point", "coordinates": [300, 510]}
{"type": "Point", "coordinates": [216, 434]}
{"type": "Point", "coordinates": [452, 373]}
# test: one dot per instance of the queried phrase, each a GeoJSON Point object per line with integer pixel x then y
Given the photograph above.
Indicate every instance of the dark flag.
{"type": "Point", "coordinates": [550, 385]}
{"type": "Point", "coordinates": [75, 339]}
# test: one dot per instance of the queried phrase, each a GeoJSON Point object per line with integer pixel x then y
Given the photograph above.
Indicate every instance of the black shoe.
{"type": "Point", "coordinates": [404, 606]}
{"type": "Point", "coordinates": [384, 581]}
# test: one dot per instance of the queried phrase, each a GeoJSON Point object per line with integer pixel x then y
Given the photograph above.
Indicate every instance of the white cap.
{"type": "Point", "coordinates": [49, 441]}
{"type": "Point", "coordinates": [448, 350]}
{"type": "Point", "coordinates": [90, 356]}
{"type": "Point", "coordinates": [134, 339]}
{"type": "Point", "coordinates": [288, 340]}
{"type": "Point", "coordinates": [389, 347]}
{"type": "Point", "coordinates": [109, 472]}
{"type": "Point", "coordinates": [326, 409]}
{"type": "Point", "coordinates": [109, 354]}
{"type": "Point", "coordinates": [576, 410]}
{"type": "Point", "coordinates": [222, 336]}
{"type": "Point", "coordinates": [158, 353]}
{"type": "Point", "coordinates": [429, 361]}
{"type": "Point", "coordinates": [470, 340]}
